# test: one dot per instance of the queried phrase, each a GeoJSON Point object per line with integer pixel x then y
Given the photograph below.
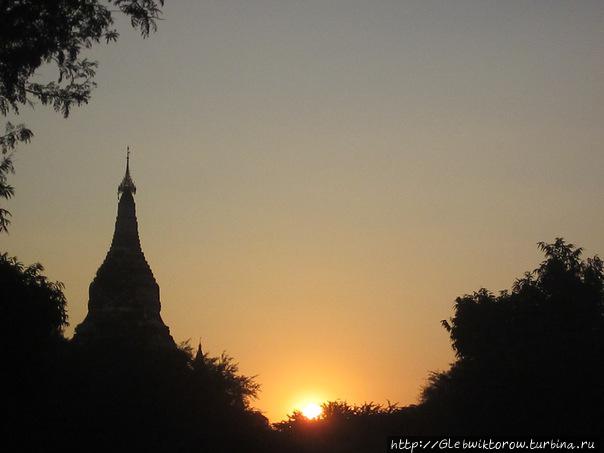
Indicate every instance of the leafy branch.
{"type": "Point", "coordinates": [34, 33]}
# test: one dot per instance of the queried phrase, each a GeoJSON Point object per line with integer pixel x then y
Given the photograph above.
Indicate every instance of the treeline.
{"type": "Point", "coordinates": [529, 361]}
{"type": "Point", "coordinates": [112, 397]}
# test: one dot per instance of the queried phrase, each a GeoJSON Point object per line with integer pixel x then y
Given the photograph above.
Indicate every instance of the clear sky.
{"type": "Point", "coordinates": [318, 180]}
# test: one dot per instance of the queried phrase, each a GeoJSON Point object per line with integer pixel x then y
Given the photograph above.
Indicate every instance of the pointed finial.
{"type": "Point", "coordinates": [198, 360]}
{"type": "Point", "coordinates": [127, 184]}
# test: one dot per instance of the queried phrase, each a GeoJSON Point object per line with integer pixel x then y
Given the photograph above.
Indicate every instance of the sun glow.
{"type": "Point", "coordinates": [311, 411]}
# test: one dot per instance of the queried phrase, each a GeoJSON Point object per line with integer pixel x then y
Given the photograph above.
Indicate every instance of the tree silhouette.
{"type": "Point", "coordinates": [54, 32]}
{"type": "Point", "coordinates": [219, 377]}
{"type": "Point", "coordinates": [32, 318]}
{"type": "Point", "coordinates": [6, 190]}
{"type": "Point", "coordinates": [343, 427]}
{"type": "Point", "coordinates": [32, 308]}
{"type": "Point", "coordinates": [528, 360]}
{"type": "Point", "coordinates": [114, 396]}
{"type": "Point", "coordinates": [127, 397]}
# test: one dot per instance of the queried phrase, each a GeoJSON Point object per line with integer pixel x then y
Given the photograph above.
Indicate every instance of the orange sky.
{"type": "Point", "coordinates": [319, 180]}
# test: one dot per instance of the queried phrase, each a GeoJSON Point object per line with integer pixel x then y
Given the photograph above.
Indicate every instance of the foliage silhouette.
{"type": "Point", "coordinates": [33, 309]}
{"type": "Point", "coordinates": [153, 400]}
{"type": "Point", "coordinates": [54, 32]}
{"type": "Point", "coordinates": [32, 315]}
{"type": "Point", "coordinates": [219, 377]}
{"type": "Point", "coordinates": [113, 396]}
{"type": "Point", "coordinates": [528, 360]}
{"type": "Point", "coordinates": [342, 427]}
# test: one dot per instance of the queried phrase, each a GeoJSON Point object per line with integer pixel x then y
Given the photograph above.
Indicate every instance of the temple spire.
{"type": "Point", "coordinates": [199, 362]}
{"type": "Point", "coordinates": [126, 225]}
{"type": "Point", "coordinates": [127, 185]}
{"type": "Point", "coordinates": [124, 302]}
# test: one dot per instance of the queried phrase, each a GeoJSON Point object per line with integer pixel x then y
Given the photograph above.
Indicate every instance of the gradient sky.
{"type": "Point", "coordinates": [318, 180]}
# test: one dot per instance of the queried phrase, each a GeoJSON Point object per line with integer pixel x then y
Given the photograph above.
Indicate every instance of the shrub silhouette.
{"type": "Point", "coordinates": [342, 427]}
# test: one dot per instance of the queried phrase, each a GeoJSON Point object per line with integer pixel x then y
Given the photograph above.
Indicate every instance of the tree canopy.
{"type": "Point", "coordinates": [32, 308]}
{"type": "Point", "coordinates": [117, 396]}
{"type": "Point", "coordinates": [528, 362]}
{"type": "Point", "coordinates": [528, 359]}
{"type": "Point", "coordinates": [34, 33]}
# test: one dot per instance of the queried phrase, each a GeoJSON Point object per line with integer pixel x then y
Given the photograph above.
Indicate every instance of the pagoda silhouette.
{"type": "Point", "coordinates": [124, 304]}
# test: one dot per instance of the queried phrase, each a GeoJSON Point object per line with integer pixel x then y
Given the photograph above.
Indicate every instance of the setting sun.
{"type": "Point", "coordinates": [312, 411]}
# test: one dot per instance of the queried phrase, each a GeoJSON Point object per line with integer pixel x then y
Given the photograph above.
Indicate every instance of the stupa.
{"type": "Point", "coordinates": [124, 304]}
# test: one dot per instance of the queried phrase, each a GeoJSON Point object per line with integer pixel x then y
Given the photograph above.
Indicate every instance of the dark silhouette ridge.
{"type": "Point", "coordinates": [529, 363]}
{"type": "Point", "coordinates": [529, 360]}
{"type": "Point", "coordinates": [124, 303]}
{"type": "Point", "coordinates": [111, 395]}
